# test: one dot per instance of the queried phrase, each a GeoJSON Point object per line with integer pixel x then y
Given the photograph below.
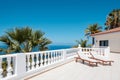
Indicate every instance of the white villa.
{"type": "Point", "coordinates": [109, 38]}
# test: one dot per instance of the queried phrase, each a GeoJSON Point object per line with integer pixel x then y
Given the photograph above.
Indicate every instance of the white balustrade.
{"type": "Point", "coordinates": [99, 51]}
{"type": "Point", "coordinates": [24, 64]}
{"type": "Point", "coordinates": [7, 63]}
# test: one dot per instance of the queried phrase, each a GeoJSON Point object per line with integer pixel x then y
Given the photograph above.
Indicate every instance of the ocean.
{"type": "Point", "coordinates": [55, 47]}
{"type": "Point", "coordinates": [50, 47]}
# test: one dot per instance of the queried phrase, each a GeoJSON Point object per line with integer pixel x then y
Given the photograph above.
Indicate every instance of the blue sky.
{"type": "Point", "coordinates": [63, 21]}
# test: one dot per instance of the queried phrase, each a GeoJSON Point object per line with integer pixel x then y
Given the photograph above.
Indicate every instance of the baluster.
{"type": "Point", "coordinates": [1, 70]}
{"type": "Point", "coordinates": [45, 55]}
{"type": "Point", "coordinates": [14, 62]}
{"type": "Point", "coordinates": [103, 52]}
{"type": "Point", "coordinates": [9, 69]}
{"type": "Point", "coordinates": [57, 56]}
{"type": "Point", "coordinates": [41, 61]}
{"type": "Point", "coordinates": [60, 55]}
{"type": "Point", "coordinates": [37, 60]}
{"type": "Point", "coordinates": [28, 62]}
{"type": "Point", "coordinates": [100, 51]}
{"type": "Point", "coordinates": [97, 51]}
{"type": "Point", "coordinates": [48, 60]}
{"type": "Point", "coordinates": [33, 62]}
{"type": "Point", "coordinates": [43, 58]}
{"type": "Point", "coordinates": [52, 58]}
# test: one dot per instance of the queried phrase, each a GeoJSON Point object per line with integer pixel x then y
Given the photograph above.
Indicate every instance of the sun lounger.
{"type": "Point", "coordinates": [84, 58]}
{"type": "Point", "coordinates": [103, 59]}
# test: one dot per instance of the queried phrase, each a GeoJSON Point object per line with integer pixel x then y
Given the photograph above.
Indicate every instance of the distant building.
{"type": "Point", "coordinates": [109, 38]}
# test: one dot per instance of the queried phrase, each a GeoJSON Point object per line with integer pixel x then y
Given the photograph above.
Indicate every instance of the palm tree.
{"type": "Point", "coordinates": [7, 42]}
{"type": "Point", "coordinates": [82, 42]}
{"type": "Point", "coordinates": [92, 29]}
{"type": "Point", "coordinates": [113, 19]}
{"type": "Point", "coordinates": [23, 40]}
{"type": "Point", "coordinates": [43, 44]}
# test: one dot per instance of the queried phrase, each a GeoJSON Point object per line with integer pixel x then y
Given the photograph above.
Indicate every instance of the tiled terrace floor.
{"type": "Point", "coordinates": [79, 71]}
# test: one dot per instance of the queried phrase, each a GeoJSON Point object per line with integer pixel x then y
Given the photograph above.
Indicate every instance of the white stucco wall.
{"type": "Point", "coordinates": [113, 38]}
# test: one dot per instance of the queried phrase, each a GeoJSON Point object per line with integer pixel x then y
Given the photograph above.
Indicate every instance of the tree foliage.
{"type": "Point", "coordinates": [82, 42]}
{"type": "Point", "coordinates": [92, 29]}
{"type": "Point", "coordinates": [113, 19]}
{"type": "Point", "coordinates": [24, 40]}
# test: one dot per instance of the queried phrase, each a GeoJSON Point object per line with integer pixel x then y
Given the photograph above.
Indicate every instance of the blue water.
{"type": "Point", "coordinates": [50, 47]}
{"type": "Point", "coordinates": [55, 47]}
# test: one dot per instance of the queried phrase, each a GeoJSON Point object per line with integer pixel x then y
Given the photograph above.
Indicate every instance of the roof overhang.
{"type": "Point", "coordinates": [107, 32]}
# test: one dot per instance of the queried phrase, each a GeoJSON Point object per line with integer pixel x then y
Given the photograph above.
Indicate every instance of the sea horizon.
{"type": "Point", "coordinates": [59, 46]}
{"type": "Point", "coordinates": [50, 47]}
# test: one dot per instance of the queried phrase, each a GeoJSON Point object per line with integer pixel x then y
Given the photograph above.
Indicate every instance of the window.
{"type": "Point", "coordinates": [103, 43]}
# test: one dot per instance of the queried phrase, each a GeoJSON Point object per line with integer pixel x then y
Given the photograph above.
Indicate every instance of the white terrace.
{"type": "Point", "coordinates": [58, 65]}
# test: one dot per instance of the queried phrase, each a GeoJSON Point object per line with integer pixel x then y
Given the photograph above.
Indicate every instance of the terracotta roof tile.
{"type": "Point", "coordinates": [108, 31]}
